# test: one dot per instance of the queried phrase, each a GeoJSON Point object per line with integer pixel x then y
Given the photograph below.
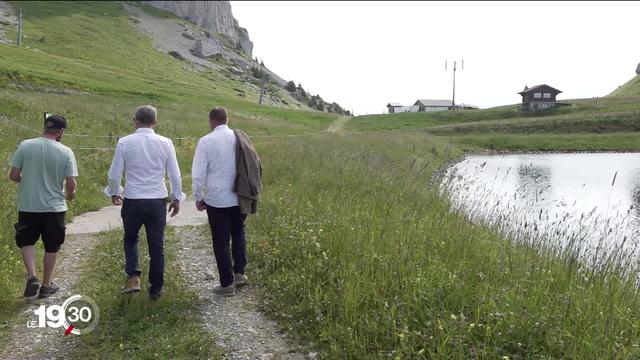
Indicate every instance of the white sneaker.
{"type": "Point", "coordinates": [241, 279]}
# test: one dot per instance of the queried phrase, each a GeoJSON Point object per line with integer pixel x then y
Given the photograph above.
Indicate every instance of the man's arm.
{"type": "Point", "coordinates": [175, 180]}
{"type": "Point", "coordinates": [199, 175]}
{"type": "Point", "coordinates": [14, 175]}
{"type": "Point", "coordinates": [71, 185]}
{"type": "Point", "coordinates": [16, 164]}
{"type": "Point", "coordinates": [71, 171]}
{"type": "Point", "coordinates": [115, 174]}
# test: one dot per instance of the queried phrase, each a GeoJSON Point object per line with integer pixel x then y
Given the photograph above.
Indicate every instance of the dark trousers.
{"type": "Point", "coordinates": [152, 214]}
{"type": "Point", "coordinates": [228, 223]}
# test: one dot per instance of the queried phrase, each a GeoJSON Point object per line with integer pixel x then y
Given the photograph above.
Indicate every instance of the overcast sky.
{"type": "Point", "coordinates": [365, 54]}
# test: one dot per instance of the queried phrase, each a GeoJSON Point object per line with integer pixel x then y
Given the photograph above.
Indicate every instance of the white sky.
{"type": "Point", "coordinates": [365, 54]}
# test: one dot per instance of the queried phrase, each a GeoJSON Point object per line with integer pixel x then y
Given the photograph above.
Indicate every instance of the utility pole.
{"type": "Point", "coordinates": [264, 76]}
{"type": "Point", "coordinates": [19, 39]}
{"type": "Point", "coordinates": [455, 65]}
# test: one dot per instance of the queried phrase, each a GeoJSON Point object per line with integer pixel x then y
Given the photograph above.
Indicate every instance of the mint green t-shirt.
{"type": "Point", "coordinates": [44, 163]}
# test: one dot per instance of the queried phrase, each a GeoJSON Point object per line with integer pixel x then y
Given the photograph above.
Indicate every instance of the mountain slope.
{"type": "Point", "coordinates": [630, 88]}
{"type": "Point", "coordinates": [215, 16]}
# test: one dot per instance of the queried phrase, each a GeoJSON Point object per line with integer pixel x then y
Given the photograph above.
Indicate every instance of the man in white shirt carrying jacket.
{"type": "Point", "coordinates": [215, 173]}
{"type": "Point", "coordinates": [145, 158]}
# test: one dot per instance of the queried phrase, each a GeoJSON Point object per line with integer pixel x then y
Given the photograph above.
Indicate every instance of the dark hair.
{"type": "Point", "coordinates": [53, 123]}
{"type": "Point", "coordinates": [146, 114]}
{"type": "Point", "coordinates": [218, 114]}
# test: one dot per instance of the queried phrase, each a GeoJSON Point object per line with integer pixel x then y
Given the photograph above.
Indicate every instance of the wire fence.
{"type": "Point", "coordinates": [112, 139]}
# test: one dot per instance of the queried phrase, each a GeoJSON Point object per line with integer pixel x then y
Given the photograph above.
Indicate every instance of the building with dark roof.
{"type": "Point", "coordinates": [433, 105]}
{"type": "Point", "coordinates": [539, 97]}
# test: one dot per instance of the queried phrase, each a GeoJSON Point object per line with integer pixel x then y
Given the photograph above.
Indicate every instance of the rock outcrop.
{"type": "Point", "coordinates": [638, 69]}
{"type": "Point", "coordinates": [206, 47]}
{"type": "Point", "coordinates": [8, 20]}
{"type": "Point", "coordinates": [214, 16]}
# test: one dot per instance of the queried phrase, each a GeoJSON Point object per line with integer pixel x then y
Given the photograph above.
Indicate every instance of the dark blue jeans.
{"type": "Point", "coordinates": [152, 214]}
{"type": "Point", "coordinates": [228, 223]}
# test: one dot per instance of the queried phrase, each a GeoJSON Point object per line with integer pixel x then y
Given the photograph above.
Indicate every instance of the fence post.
{"type": "Point", "coordinates": [19, 39]}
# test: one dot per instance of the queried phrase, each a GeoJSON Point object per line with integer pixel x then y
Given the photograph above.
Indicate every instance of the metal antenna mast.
{"type": "Point", "coordinates": [19, 35]}
{"type": "Point", "coordinates": [455, 66]}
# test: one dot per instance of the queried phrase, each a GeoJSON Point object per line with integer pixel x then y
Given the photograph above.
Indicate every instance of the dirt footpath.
{"type": "Point", "coordinates": [234, 323]}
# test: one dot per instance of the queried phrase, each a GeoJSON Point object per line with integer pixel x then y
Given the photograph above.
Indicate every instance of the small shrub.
{"type": "Point", "coordinates": [290, 87]}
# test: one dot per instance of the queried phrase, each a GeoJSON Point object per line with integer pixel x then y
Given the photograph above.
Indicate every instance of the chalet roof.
{"type": "Point", "coordinates": [463, 105]}
{"type": "Point", "coordinates": [393, 104]}
{"type": "Point", "coordinates": [538, 87]}
{"type": "Point", "coordinates": [427, 102]}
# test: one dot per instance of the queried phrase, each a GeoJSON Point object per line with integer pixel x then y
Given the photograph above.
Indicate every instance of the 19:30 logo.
{"type": "Point", "coordinates": [78, 315]}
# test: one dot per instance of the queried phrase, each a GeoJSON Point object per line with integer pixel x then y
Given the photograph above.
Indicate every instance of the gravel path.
{"type": "Point", "coordinates": [240, 330]}
{"type": "Point", "coordinates": [49, 343]}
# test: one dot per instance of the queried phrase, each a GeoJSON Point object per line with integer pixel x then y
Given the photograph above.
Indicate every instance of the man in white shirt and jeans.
{"type": "Point", "coordinates": [145, 158]}
{"type": "Point", "coordinates": [213, 174]}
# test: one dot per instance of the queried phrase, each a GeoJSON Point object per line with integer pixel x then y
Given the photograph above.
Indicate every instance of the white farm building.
{"type": "Point", "coordinates": [426, 105]}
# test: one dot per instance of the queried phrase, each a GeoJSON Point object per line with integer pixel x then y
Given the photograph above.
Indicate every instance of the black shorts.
{"type": "Point", "coordinates": [31, 226]}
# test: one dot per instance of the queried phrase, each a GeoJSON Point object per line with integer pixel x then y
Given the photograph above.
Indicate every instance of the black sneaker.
{"type": "Point", "coordinates": [46, 291]}
{"type": "Point", "coordinates": [155, 295]}
{"type": "Point", "coordinates": [31, 290]}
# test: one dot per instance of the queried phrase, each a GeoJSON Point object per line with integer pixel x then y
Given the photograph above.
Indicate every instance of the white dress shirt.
{"type": "Point", "coordinates": [145, 157]}
{"type": "Point", "coordinates": [213, 170]}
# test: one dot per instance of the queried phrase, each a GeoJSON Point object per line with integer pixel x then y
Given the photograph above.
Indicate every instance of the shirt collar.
{"type": "Point", "coordinates": [145, 131]}
{"type": "Point", "coordinates": [221, 127]}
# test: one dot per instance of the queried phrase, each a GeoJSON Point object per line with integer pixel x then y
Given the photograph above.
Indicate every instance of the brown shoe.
{"type": "Point", "coordinates": [224, 290]}
{"type": "Point", "coordinates": [132, 285]}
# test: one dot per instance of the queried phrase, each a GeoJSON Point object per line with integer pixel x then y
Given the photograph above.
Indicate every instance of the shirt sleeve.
{"type": "Point", "coordinates": [116, 169]}
{"type": "Point", "coordinates": [71, 169]}
{"type": "Point", "coordinates": [18, 158]}
{"type": "Point", "coordinates": [173, 170]}
{"type": "Point", "coordinates": [199, 172]}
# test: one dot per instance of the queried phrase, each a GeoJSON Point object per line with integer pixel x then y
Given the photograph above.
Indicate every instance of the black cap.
{"type": "Point", "coordinates": [55, 122]}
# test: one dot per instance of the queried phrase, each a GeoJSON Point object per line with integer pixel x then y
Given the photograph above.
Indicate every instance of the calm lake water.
{"type": "Point", "coordinates": [589, 202]}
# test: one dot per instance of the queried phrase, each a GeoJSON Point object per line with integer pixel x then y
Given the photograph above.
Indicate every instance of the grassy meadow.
{"type": "Point", "coordinates": [600, 124]}
{"type": "Point", "coordinates": [354, 251]}
{"type": "Point", "coordinates": [359, 255]}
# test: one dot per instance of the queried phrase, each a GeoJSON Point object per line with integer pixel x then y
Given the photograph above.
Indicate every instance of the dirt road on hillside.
{"type": "Point", "coordinates": [337, 126]}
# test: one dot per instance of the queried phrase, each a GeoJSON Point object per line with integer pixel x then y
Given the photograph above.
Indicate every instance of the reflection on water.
{"type": "Point", "coordinates": [585, 202]}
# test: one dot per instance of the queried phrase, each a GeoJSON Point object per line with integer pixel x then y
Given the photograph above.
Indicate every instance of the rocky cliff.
{"type": "Point", "coordinates": [214, 16]}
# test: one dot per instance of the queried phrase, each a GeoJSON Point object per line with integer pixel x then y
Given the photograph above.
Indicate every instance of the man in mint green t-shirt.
{"type": "Point", "coordinates": [43, 166]}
